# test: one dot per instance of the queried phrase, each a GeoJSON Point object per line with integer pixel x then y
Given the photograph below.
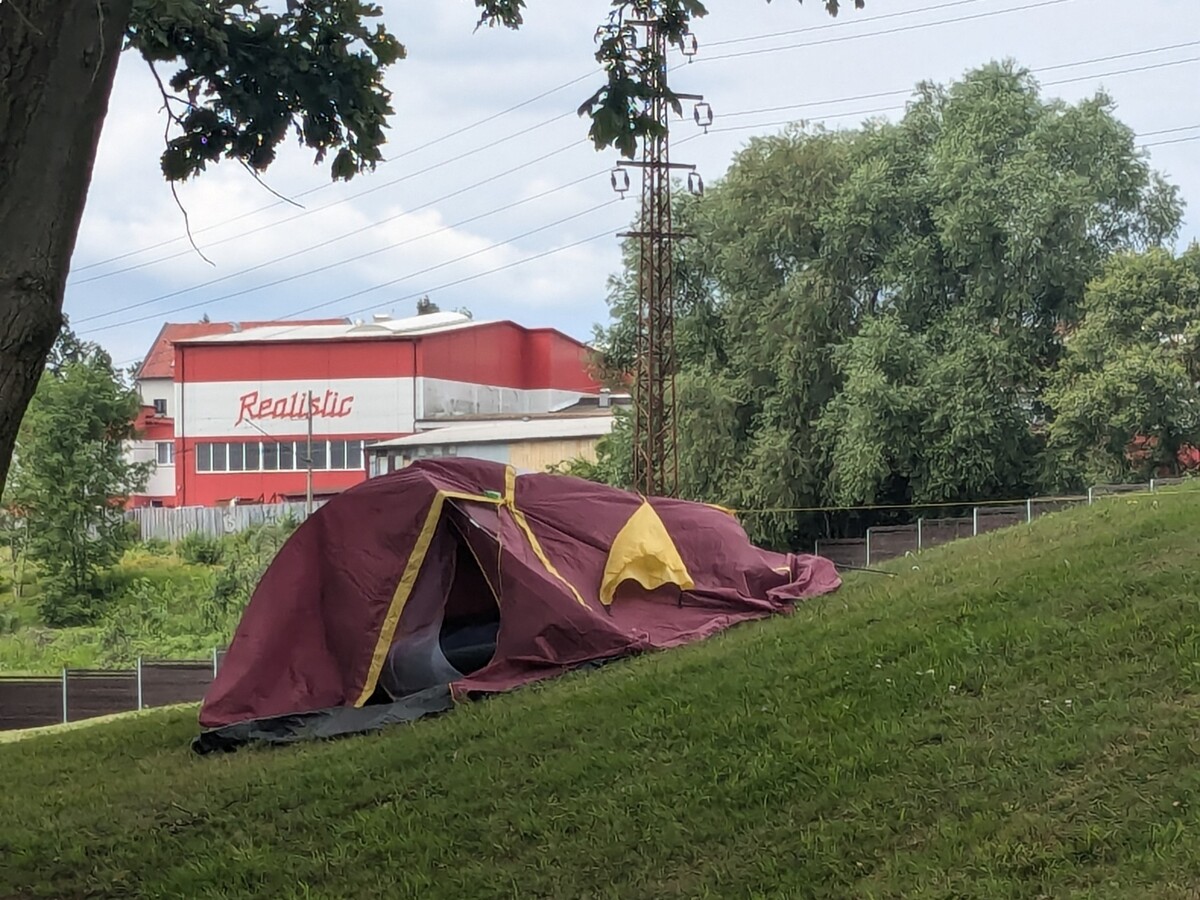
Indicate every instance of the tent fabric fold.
{"type": "Point", "coordinates": [457, 577]}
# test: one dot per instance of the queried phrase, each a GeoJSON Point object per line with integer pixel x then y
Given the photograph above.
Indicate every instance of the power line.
{"type": "Point", "coordinates": [297, 276]}
{"type": "Point", "coordinates": [607, 232]}
{"type": "Point", "coordinates": [316, 209]}
{"type": "Point", "coordinates": [445, 137]}
{"type": "Point", "coordinates": [842, 24]}
{"type": "Point", "coordinates": [534, 257]}
{"type": "Point", "coordinates": [374, 287]}
{"type": "Point", "coordinates": [273, 261]}
{"type": "Point", "coordinates": [1185, 140]}
{"type": "Point", "coordinates": [517, 106]}
{"type": "Point", "coordinates": [879, 94]}
{"type": "Point", "coordinates": [887, 31]}
{"type": "Point", "coordinates": [1057, 67]}
{"type": "Point", "coordinates": [344, 260]}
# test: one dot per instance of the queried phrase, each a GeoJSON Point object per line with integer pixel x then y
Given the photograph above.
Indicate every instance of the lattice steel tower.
{"type": "Point", "coordinates": [655, 446]}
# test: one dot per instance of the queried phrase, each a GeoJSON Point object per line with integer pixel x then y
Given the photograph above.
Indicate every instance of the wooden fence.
{"type": "Point", "coordinates": [160, 523]}
{"type": "Point", "coordinates": [78, 694]}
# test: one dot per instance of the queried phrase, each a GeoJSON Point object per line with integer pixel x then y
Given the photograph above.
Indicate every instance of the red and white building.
{"type": "Point", "coordinates": [230, 423]}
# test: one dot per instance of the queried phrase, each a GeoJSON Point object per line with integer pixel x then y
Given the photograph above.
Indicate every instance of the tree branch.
{"type": "Point", "coordinates": [267, 187]}
{"type": "Point", "coordinates": [171, 117]}
{"type": "Point", "coordinates": [25, 19]}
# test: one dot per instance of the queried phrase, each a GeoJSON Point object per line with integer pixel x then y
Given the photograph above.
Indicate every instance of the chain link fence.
{"type": "Point", "coordinates": [886, 542]}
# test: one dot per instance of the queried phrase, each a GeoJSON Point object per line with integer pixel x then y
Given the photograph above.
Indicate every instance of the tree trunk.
{"type": "Point", "coordinates": [57, 63]}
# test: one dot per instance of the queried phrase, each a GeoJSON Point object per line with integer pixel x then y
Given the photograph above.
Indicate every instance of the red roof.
{"type": "Point", "coordinates": [159, 361]}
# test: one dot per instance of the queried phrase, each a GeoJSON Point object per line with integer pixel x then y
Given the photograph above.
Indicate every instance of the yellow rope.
{"type": "Point", "coordinates": [1078, 498]}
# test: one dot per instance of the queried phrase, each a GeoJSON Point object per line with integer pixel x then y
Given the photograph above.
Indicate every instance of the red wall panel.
{"type": "Point", "coordinates": [506, 355]}
{"type": "Point", "coordinates": [303, 359]}
{"type": "Point", "coordinates": [214, 488]}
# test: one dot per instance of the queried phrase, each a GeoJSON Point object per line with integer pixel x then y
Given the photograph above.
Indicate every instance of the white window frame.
{"type": "Point", "coordinates": [353, 447]}
{"type": "Point", "coordinates": [158, 453]}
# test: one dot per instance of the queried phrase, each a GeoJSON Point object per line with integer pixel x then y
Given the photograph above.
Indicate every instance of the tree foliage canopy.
{"type": "Point", "coordinates": [877, 315]}
{"type": "Point", "coordinates": [1131, 368]}
{"type": "Point", "coordinates": [71, 475]}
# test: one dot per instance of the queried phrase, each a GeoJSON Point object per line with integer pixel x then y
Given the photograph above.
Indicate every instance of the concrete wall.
{"type": "Point", "coordinates": [152, 389]}
{"type": "Point", "coordinates": [162, 478]}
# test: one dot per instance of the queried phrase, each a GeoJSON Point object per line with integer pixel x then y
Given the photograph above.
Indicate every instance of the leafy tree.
{"type": "Point", "coordinates": [72, 475]}
{"type": "Point", "coordinates": [872, 316]}
{"type": "Point", "coordinates": [246, 76]}
{"type": "Point", "coordinates": [1126, 401]}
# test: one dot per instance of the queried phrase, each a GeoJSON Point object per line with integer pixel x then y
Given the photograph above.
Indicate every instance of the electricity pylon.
{"type": "Point", "coordinates": [655, 434]}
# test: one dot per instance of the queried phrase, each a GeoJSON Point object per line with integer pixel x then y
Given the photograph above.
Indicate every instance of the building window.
{"type": "Point", "coordinates": [346, 455]}
{"type": "Point", "coordinates": [164, 453]}
{"type": "Point", "coordinates": [160, 407]}
{"type": "Point", "coordinates": [271, 456]}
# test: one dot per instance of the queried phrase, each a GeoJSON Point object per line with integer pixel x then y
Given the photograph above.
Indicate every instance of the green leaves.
{"type": "Point", "coordinates": [1127, 398]}
{"type": "Point", "coordinates": [874, 316]}
{"type": "Point", "coordinates": [248, 76]}
{"type": "Point", "coordinates": [71, 476]}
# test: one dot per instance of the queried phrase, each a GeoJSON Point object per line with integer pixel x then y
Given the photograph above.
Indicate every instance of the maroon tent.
{"type": "Point", "coordinates": [458, 577]}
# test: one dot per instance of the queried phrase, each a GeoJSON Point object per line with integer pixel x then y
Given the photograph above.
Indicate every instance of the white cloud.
{"type": "Point", "coordinates": [454, 77]}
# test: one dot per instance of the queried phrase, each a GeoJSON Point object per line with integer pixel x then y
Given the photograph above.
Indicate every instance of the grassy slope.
{"type": "Point", "coordinates": [1016, 719]}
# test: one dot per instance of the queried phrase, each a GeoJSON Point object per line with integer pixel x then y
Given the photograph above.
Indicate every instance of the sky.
{"type": "Point", "coordinates": [494, 200]}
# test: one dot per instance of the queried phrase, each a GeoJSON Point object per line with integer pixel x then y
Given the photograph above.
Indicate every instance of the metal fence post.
{"type": "Point", "coordinates": [1028, 510]}
{"type": "Point", "coordinates": [975, 522]}
{"type": "Point", "coordinates": [1152, 485]}
{"type": "Point", "coordinates": [64, 694]}
{"type": "Point", "coordinates": [919, 543]}
{"type": "Point", "coordinates": [868, 562]}
{"type": "Point", "coordinates": [1091, 498]}
{"type": "Point", "coordinates": [139, 683]}
{"type": "Point", "coordinates": [214, 662]}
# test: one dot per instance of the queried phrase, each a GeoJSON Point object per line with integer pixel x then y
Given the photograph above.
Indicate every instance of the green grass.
{"type": "Point", "coordinates": [1018, 718]}
{"type": "Point", "coordinates": [173, 588]}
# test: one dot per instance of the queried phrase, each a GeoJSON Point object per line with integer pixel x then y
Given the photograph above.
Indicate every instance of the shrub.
{"type": "Point", "coordinates": [61, 606]}
{"type": "Point", "coordinates": [200, 549]}
{"type": "Point", "coordinates": [156, 547]}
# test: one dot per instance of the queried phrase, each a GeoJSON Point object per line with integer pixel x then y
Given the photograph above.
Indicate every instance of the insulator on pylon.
{"type": "Point", "coordinates": [689, 45]}
{"type": "Point", "coordinates": [620, 181]}
{"type": "Point", "coordinates": [703, 115]}
{"type": "Point", "coordinates": [695, 184]}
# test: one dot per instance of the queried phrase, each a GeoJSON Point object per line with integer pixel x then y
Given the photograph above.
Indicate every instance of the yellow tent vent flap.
{"type": "Point", "coordinates": [643, 552]}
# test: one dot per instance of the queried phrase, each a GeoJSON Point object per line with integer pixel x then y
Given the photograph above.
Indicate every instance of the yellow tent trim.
{"type": "Point", "coordinates": [510, 501]}
{"type": "Point", "coordinates": [408, 579]}
{"type": "Point", "coordinates": [725, 509]}
{"type": "Point", "coordinates": [643, 552]}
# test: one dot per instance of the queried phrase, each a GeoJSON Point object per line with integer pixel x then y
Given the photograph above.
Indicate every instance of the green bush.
{"type": "Point", "coordinates": [61, 606]}
{"type": "Point", "coordinates": [200, 549]}
{"type": "Point", "coordinates": [139, 620]}
{"type": "Point", "coordinates": [157, 547]}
